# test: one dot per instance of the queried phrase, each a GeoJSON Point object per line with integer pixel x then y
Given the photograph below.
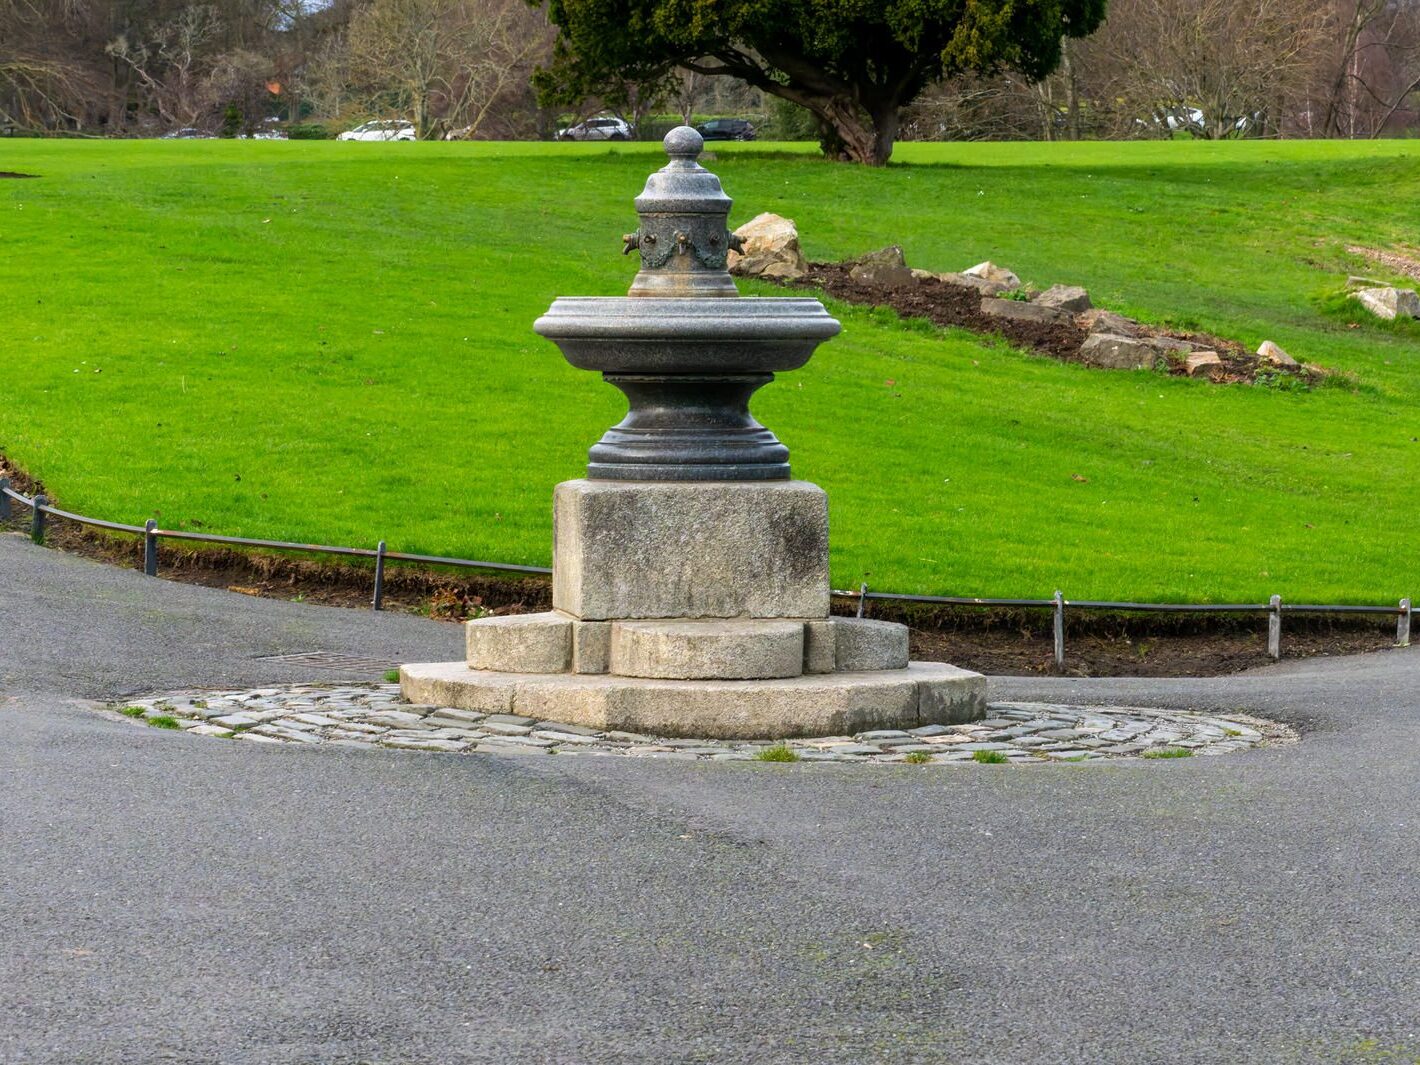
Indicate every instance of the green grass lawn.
{"type": "Point", "coordinates": [332, 342]}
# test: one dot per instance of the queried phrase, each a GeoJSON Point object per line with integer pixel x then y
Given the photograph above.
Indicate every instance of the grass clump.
{"type": "Point", "coordinates": [780, 752]}
{"type": "Point", "coordinates": [1169, 752]}
{"type": "Point", "coordinates": [391, 676]}
{"type": "Point", "coordinates": [164, 721]}
{"type": "Point", "coordinates": [132, 711]}
{"type": "Point", "coordinates": [917, 757]}
{"type": "Point", "coordinates": [989, 757]}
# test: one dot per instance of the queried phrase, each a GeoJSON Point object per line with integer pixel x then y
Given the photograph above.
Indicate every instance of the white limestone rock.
{"type": "Point", "coordinates": [1389, 303]}
{"type": "Point", "coordinates": [771, 249]}
{"type": "Point", "coordinates": [1273, 355]}
{"type": "Point", "coordinates": [989, 271]}
{"type": "Point", "coordinates": [1205, 364]}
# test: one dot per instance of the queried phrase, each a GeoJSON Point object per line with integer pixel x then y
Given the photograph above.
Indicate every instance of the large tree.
{"type": "Point", "coordinates": [854, 64]}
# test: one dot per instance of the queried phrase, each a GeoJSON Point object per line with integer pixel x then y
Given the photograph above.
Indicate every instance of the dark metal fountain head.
{"type": "Point", "coordinates": [689, 359]}
{"type": "Point", "coordinates": [683, 239]}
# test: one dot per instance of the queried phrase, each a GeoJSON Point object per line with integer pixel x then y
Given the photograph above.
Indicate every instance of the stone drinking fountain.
{"type": "Point", "coordinates": [690, 584]}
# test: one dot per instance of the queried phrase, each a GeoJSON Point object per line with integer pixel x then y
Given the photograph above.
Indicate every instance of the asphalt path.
{"type": "Point", "coordinates": [173, 898]}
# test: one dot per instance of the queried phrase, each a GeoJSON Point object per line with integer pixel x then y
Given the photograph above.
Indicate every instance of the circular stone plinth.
{"type": "Point", "coordinates": [374, 715]}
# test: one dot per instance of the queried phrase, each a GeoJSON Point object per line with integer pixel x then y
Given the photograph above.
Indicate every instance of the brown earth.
{"type": "Point", "coordinates": [12, 174]}
{"type": "Point", "coordinates": [1119, 646]}
{"type": "Point", "coordinates": [945, 304]}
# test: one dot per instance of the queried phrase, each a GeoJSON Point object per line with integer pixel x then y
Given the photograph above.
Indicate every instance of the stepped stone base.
{"type": "Point", "coordinates": [707, 650]}
{"type": "Point", "coordinates": [520, 643]}
{"type": "Point", "coordinates": [924, 693]}
{"type": "Point", "coordinates": [680, 649]}
{"type": "Point", "coordinates": [696, 609]}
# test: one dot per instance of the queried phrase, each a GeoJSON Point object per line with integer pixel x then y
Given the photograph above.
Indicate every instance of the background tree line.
{"type": "Point", "coordinates": [1210, 68]}
{"type": "Point", "coordinates": [133, 67]}
{"type": "Point", "coordinates": [509, 69]}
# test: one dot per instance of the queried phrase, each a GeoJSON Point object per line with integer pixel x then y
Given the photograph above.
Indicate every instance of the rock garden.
{"type": "Point", "coordinates": [1060, 321]}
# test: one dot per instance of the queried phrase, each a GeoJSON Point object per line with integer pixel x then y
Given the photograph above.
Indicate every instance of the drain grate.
{"type": "Point", "coordinates": [334, 660]}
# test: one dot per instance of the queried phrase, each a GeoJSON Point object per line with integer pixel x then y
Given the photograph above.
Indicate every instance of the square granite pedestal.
{"type": "Point", "coordinates": [696, 609]}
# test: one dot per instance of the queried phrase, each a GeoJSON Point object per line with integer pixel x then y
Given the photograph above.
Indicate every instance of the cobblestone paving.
{"type": "Point", "coordinates": [374, 715]}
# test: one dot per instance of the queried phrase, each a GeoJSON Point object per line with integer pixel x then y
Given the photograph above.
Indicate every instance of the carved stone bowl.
{"type": "Point", "coordinates": [736, 335]}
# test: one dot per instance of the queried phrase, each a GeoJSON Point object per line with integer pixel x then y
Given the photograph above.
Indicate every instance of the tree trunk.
{"type": "Point", "coordinates": [1072, 87]}
{"type": "Point", "coordinates": [885, 125]}
{"type": "Point", "coordinates": [849, 135]}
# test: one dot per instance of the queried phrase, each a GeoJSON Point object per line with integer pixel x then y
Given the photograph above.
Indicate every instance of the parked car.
{"type": "Point", "coordinates": [269, 130]}
{"type": "Point", "coordinates": [726, 129]}
{"type": "Point", "coordinates": [385, 129]}
{"type": "Point", "coordinates": [189, 133]}
{"type": "Point", "coordinates": [605, 128]}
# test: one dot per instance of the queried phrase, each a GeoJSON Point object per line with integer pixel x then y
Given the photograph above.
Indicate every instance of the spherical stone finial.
{"type": "Point", "coordinates": [683, 142]}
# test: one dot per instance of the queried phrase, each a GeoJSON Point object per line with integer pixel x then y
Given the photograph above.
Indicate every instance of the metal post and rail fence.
{"type": "Point", "coordinates": [1274, 609]}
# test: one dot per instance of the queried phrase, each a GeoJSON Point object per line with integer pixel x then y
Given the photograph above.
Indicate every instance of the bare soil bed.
{"type": "Point", "coordinates": [1111, 646]}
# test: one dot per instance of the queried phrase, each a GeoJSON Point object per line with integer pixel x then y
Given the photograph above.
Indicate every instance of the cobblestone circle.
{"type": "Point", "coordinates": [374, 715]}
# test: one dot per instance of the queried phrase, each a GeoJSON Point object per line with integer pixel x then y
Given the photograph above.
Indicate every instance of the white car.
{"type": "Point", "coordinates": [394, 129]}
{"type": "Point", "coordinates": [597, 129]}
{"type": "Point", "coordinates": [270, 130]}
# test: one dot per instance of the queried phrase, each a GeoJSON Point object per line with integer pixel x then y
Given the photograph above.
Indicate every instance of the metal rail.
{"type": "Point", "coordinates": [40, 509]}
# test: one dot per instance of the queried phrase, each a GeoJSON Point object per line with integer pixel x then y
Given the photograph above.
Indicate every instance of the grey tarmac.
{"type": "Point", "coordinates": [180, 898]}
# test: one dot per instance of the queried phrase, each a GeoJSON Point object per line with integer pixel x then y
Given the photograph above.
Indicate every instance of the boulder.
{"type": "Point", "coordinates": [781, 271]}
{"type": "Point", "coordinates": [978, 284]}
{"type": "Point", "coordinates": [884, 274]}
{"type": "Point", "coordinates": [1113, 352]}
{"type": "Point", "coordinates": [1389, 303]}
{"type": "Point", "coordinates": [1022, 311]}
{"type": "Point", "coordinates": [890, 256]}
{"type": "Point", "coordinates": [1205, 364]}
{"type": "Point", "coordinates": [1363, 282]}
{"type": "Point", "coordinates": [886, 267]}
{"type": "Point", "coordinates": [1070, 298]}
{"type": "Point", "coordinates": [989, 271]}
{"type": "Point", "coordinates": [771, 249]}
{"type": "Point", "coordinates": [1099, 320]}
{"type": "Point", "coordinates": [1274, 355]}
{"type": "Point", "coordinates": [1169, 345]}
